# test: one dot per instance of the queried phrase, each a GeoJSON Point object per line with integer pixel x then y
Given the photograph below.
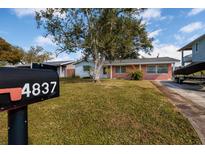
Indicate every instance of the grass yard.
{"type": "Point", "coordinates": [111, 112]}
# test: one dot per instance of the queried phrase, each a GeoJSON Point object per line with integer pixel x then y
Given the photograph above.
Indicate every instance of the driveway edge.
{"type": "Point", "coordinates": [185, 106]}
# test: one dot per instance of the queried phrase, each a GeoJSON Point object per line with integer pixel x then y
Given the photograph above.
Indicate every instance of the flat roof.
{"type": "Point", "coordinates": [58, 63]}
{"type": "Point", "coordinates": [189, 45]}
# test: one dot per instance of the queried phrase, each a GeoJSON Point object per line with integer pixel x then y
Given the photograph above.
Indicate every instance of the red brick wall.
{"type": "Point", "coordinates": [123, 75]}
{"type": "Point", "coordinates": [147, 76]}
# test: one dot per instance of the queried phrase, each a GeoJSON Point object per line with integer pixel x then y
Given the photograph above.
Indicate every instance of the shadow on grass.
{"type": "Point", "coordinates": [75, 80]}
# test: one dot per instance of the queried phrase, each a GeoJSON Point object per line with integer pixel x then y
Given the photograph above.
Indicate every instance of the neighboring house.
{"type": "Point", "coordinates": [194, 62]}
{"type": "Point", "coordinates": [64, 68]}
{"type": "Point", "coordinates": [160, 68]}
{"type": "Point", "coordinates": [197, 47]}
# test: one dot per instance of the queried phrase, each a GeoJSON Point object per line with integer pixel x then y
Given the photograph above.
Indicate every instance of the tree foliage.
{"type": "Point", "coordinates": [9, 53]}
{"type": "Point", "coordinates": [36, 55]}
{"type": "Point", "coordinates": [101, 34]}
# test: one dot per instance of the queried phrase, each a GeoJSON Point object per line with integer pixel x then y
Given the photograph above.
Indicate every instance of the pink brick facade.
{"type": "Point", "coordinates": [146, 76]}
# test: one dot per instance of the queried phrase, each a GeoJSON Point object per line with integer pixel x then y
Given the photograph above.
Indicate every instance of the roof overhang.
{"type": "Point", "coordinates": [59, 64]}
{"type": "Point", "coordinates": [66, 63]}
{"type": "Point", "coordinates": [141, 63]}
{"type": "Point", "coordinates": [189, 45]}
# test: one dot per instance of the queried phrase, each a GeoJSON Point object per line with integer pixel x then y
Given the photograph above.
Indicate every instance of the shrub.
{"type": "Point", "coordinates": [137, 75]}
{"type": "Point", "coordinates": [87, 77]}
{"type": "Point", "coordinates": [76, 77]}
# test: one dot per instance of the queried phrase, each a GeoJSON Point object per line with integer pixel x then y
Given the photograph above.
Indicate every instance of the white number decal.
{"type": "Point", "coordinates": [45, 85]}
{"type": "Point", "coordinates": [36, 88]}
{"type": "Point", "coordinates": [26, 90]}
{"type": "Point", "coordinates": [54, 86]}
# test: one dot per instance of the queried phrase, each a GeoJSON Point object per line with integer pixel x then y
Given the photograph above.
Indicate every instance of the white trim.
{"type": "Point", "coordinates": [66, 63]}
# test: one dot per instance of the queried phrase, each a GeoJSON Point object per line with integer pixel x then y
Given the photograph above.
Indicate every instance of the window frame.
{"type": "Point", "coordinates": [152, 72]}
{"type": "Point", "coordinates": [156, 68]}
{"type": "Point", "coordinates": [163, 72]}
{"type": "Point", "coordinates": [86, 66]}
{"type": "Point", "coordinates": [104, 70]}
{"type": "Point", "coordinates": [197, 47]}
{"type": "Point", "coordinates": [120, 68]}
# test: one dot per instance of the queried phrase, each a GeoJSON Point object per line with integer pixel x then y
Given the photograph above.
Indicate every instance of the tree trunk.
{"type": "Point", "coordinates": [97, 69]}
{"type": "Point", "coordinates": [96, 73]}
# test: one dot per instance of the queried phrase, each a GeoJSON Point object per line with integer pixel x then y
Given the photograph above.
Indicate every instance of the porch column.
{"type": "Point", "coordinates": [183, 58]}
{"type": "Point", "coordinates": [173, 66]}
{"type": "Point", "coordinates": [110, 71]}
{"type": "Point", "coordinates": [60, 71]}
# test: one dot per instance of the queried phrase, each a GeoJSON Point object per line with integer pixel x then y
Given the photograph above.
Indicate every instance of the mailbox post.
{"type": "Point", "coordinates": [18, 126]}
{"type": "Point", "coordinates": [20, 87]}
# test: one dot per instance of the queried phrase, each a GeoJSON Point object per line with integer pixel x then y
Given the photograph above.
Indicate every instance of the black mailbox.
{"type": "Point", "coordinates": [23, 86]}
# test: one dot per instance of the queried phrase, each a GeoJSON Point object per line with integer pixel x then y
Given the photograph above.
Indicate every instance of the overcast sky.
{"type": "Point", "coordinates": [170, 28]}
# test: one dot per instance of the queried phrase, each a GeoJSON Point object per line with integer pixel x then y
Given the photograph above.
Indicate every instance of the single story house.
{"type": "Point", "coordinates": [64, 68]}
{"type": "Point", "coordinates": [160, 68]}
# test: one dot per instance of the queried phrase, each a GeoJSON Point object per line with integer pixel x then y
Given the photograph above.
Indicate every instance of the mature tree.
{"type": "Point", "coordinates": [9, 53]}
{"type": "Point", "coordinates": [36, 55]}
{"type": "Point", "coordinates": [101, 34]}
{"type": "Point", "coordinates": [2, 63]}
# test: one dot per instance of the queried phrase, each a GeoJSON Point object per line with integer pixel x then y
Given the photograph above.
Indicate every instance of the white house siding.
{"type": "Point", "coordinates": [198, 56]}
{"type": "Point", "coordinates": [61, 71]}
{"type": "Point", "coordinates": [79, 69]}
{"type": "Point", "coordinates": [81, 73]}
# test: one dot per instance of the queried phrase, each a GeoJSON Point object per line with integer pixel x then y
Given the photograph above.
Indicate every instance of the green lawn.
{"type": "Point", "coordinates": [111, 112]}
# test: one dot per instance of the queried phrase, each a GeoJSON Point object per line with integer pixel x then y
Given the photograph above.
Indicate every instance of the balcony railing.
{"type": "Point", "coordinates": [188, 58]}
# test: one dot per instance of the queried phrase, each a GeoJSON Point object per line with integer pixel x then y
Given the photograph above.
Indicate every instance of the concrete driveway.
{"type": "Point", "coordinates": [193, 91]}
{"type": "Point", "coordinates": [189, 99]}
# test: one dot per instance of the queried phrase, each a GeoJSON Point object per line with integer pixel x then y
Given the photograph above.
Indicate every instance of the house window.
{"type": "Point", "coordinates": [123, 69]}
{"type": "Point", "coordinates": [86, 68]}
{"type": "Point", "coordinates": [162, 69]}
{"type": "Point", "coordinates": [104, 70]}
{"type": "Point", "coordinates": [151, 69]}
{"type": "Point", "coordinates": [120, 69]}
{"type": "Point", "coordinates": [197, 46]}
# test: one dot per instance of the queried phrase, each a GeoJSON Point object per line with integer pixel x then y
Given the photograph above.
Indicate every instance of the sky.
{"type": "Point", "coordinates": [170, 28]}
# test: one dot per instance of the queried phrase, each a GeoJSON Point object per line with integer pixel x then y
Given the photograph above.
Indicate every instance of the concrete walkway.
{"type": "Point", "coordinates": [190, 100]}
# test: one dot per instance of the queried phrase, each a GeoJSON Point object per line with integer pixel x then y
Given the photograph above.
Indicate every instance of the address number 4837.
{"type": "Point", "coordinates": [37, 89]}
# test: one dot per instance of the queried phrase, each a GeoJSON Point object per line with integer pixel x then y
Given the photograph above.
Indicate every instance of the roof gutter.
{"type": "Point", "coordinates": [165, 62]}
{"type": "Point", "coordinates": [189, 45]}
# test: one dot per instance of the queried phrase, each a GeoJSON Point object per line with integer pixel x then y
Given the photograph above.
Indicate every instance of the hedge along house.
{"type": "Point", "coordinates": [160, 68]}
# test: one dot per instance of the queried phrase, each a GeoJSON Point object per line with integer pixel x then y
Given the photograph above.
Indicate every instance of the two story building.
{"type": "Point", "coordinates": [197, 47]}
{"type": "Point", "coordinates": [194, 62]}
